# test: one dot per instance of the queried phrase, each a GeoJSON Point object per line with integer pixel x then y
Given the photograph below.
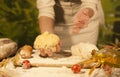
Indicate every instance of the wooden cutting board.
{"type": "Point", "coordinates": [63, 58]}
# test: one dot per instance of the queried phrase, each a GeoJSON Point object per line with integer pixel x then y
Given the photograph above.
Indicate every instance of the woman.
{"type": "Point", "coordinates": [73, 21]}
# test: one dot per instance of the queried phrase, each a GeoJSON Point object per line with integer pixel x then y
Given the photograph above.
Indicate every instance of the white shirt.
{"type": "Point", "coordinates": [88, 34]}
{"type": "Point", "coordinates": [45, 7]}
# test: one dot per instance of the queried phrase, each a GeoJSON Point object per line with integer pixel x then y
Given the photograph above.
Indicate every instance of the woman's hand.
{"type": "Point", "coordinates": [82, 19]}
{"type": "Point", "coordinates": [48, 52]}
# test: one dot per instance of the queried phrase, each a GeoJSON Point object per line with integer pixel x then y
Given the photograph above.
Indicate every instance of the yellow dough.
{"type": "Point", "coordinates": [46, 40]}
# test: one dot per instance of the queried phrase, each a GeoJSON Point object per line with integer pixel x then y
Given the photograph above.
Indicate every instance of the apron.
{"type": "Point", "coordinates": [64, 13]}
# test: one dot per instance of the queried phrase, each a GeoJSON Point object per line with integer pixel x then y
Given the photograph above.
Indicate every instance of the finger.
{"type": "Point", "coordinates": [85, 11]}
{"type": "Point", "coordinates": [79, 24]}
{"type": "Point", "coordinates": [75, 30]}
{"type": "Point", "coordinates": [58, 48]}
{"type": "Point", "coordinates": [49, 52]}
{"type": "Point", "coordinates": [42, 52]}
{"type": "Point", "coordinates": [82, 16]}
{"type": "Point", "coordinates": [60, 43]}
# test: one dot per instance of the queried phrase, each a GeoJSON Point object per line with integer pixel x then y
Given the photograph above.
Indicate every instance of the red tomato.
{"type": "Point", "coordinates": [76, 68]}
{"type": "Point", "coordinates": [26, 61]}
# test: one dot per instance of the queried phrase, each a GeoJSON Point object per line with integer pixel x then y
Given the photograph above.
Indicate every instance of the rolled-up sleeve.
{"type": "Point", "coordinates": [90, 4]}
{"type": "Point", "coordinates": [45, 8]}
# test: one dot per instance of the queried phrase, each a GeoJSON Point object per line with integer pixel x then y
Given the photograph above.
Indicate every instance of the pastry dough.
{"type": "Point", "coordinates": [83, 50]}
{"type": "Point", "coordinates": [46, 40]}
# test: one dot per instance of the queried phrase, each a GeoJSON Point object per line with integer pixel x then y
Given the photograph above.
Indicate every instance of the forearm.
{"type": "Point", "coordinates": [46, 24]}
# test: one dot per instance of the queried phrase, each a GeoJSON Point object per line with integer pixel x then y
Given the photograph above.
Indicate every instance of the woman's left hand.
{"type": "Point", "coordinates": [81, 19]}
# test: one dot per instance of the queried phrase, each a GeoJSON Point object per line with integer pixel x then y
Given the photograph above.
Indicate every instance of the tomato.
{"type": "Point", "coordinates": [26, 61]}
{"type": "Point", "coordinates": [76, 68]}
{"type": "Point", "coordinates": [26, 64]}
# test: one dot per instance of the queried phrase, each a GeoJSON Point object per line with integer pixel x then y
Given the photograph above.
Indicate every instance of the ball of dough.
{"type": "Point", "coordinates": [46, 40]}
{"type": "Point", "coordinates": [83, 50]}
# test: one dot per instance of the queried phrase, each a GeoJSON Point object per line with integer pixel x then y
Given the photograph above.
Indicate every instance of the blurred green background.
{"type": "Point", "coordinates": [18, 21]}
